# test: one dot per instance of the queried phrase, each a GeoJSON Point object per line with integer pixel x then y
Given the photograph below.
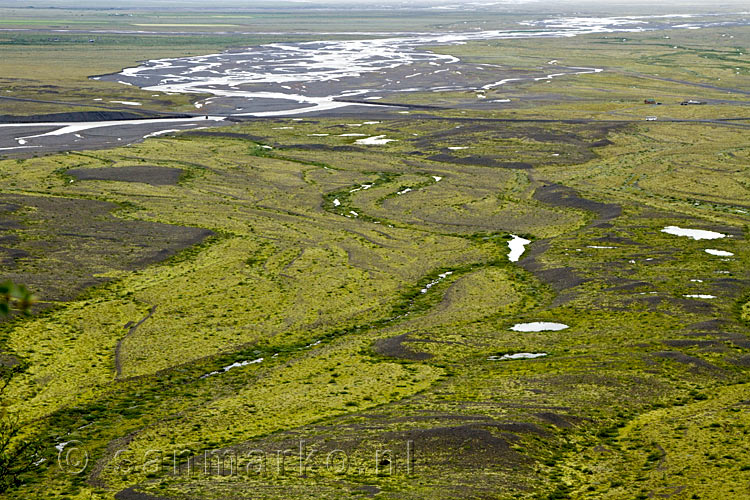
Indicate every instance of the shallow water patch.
{"type": "Point", "coordinates": [538, 326]}
{"type": "Point", "coordinates": [696, 234]}
{"type": "Point", "coordinates": [518, 355]}
{"type": "Point", "coordinates": [718, 253]}
{"type": "Point", "coordinates": [238, 364]}
{"type": "Point", "coordinates": [376, 140]}
{"type": "Point", "coordinates": [432, 283]}
{"type": "Point", "coordinates": [517, 246]}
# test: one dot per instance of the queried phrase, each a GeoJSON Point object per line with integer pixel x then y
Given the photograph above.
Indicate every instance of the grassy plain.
{"type": "Point", "coordinates": [320, 285]}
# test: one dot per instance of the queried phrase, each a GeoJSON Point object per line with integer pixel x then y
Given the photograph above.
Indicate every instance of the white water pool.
{"type": "Point", "coordinates": [538, 326]}
{"type": "Point", "coordinates": [718, 253]}
{"type": "Point", "coordinates": [517, 246]}
{"type": "Point", "coordinates": [518, 355]}
{"type": "Point", "coordinates": [696, 234]}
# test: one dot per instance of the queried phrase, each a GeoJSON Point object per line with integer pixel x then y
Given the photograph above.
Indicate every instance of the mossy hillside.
{"type": "Point", "coordinates": [678, 445]}
{"type": "Point", "coordinates": [473, 339]}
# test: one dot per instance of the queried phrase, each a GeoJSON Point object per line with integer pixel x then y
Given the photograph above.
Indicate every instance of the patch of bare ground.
{"type": "Point", "coordinates": [393, 347]}
{"type": "Point", "coordinates": [67, 243]}
{"type": "Point", "coordinates": [561, 278]}
{"type": "Point", "coordinates": [696, 364]}
{"type": "Point", "coordinates": [133, 494]}
{"type": "Point", "coordinates": [155, 176]}
{"type": "Point", "coordinates": [461, 446]}
{"type": "Point", "coordinates": [563, 196]}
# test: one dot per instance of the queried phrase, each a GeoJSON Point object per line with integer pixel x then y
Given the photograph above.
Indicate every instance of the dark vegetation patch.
{"type": "Point", "coordinates": [521, 428]}
{"type": "Point", "coordinates": [618, 240]}
{"type": "Point", "coordinates": [630, 285]}
{"type": "Point", "coordinates": [685, 359]}
{"type": "Point", "coordinates": [369, 490]}
{"type": "Point", "coordinates": [228, 135]}
{"type": "Point", "coordinates": [581, 135]}
{"type": "Point", "coordinates": [692, 343]}
{"type": "Point", "coordinates": [561, 278]}
{"type": "Point", "coordinates": [9, 256]}
{"type": "Point", "coordinates": [321, 147]}
{"type": "Point", "coordinates": [155, 176]}
{"type": "Point", "coordinates": [556, 419]}
{"type": "Point", "coordinates": [743, 360]}
{"type": "Point", "coordinates": [742, 342]}
{"type": "Point", "coordinates": [731, 285]}
{"type": "Point", "coordinates": [7, 360]}
{"type": "Point", "coordinates": [694, 306]}
{"type": "Point", "coordinates": [711, 325]}
{"type": "Point", "coordinates": [660, 302]}
{"type": "Point", "coordinates": [67, 242]}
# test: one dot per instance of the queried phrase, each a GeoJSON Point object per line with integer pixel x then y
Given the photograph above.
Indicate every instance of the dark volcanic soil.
{"type": "Point", "coordinates": [58, 246]}
{"type": "Point", "coordinates": [76, 116]}
{"type": "Point", "coordinates": [156, 176]}
{"type": "Point", "coordinates": [393, 347]}
{"type": "Point", "coordinates": [563, 196]}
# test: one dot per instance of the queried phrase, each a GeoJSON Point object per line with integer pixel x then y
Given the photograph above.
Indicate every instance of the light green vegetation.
{"type": "Point", "coordinates": [288, 268]}
{"type": "Point", "coordinates": [379, 316]}
{"type": "Point", "coordinates": [678, 448]}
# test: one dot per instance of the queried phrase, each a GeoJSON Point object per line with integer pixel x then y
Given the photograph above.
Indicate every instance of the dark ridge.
{"type": "Point", "coordinates": [682, 358]}
{"type": "Point", "coordinates": [83, 116]}
{"type": "Point", "coordinates": [228, 135]}
{"type": "Point", "coordinates": [388, 104]}
{"type": "Point", "coordinates": [710, 325]}
{"type": "Point", "coordinates": [561, 421]}
{"type": "Point", "coordinates": [743, 360]}
{"type": "Point", "coordinates": [692, 343]}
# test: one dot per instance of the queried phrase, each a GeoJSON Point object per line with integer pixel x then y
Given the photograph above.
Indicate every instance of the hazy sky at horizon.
{"type": "Point", "coordinates": [122, 4]}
